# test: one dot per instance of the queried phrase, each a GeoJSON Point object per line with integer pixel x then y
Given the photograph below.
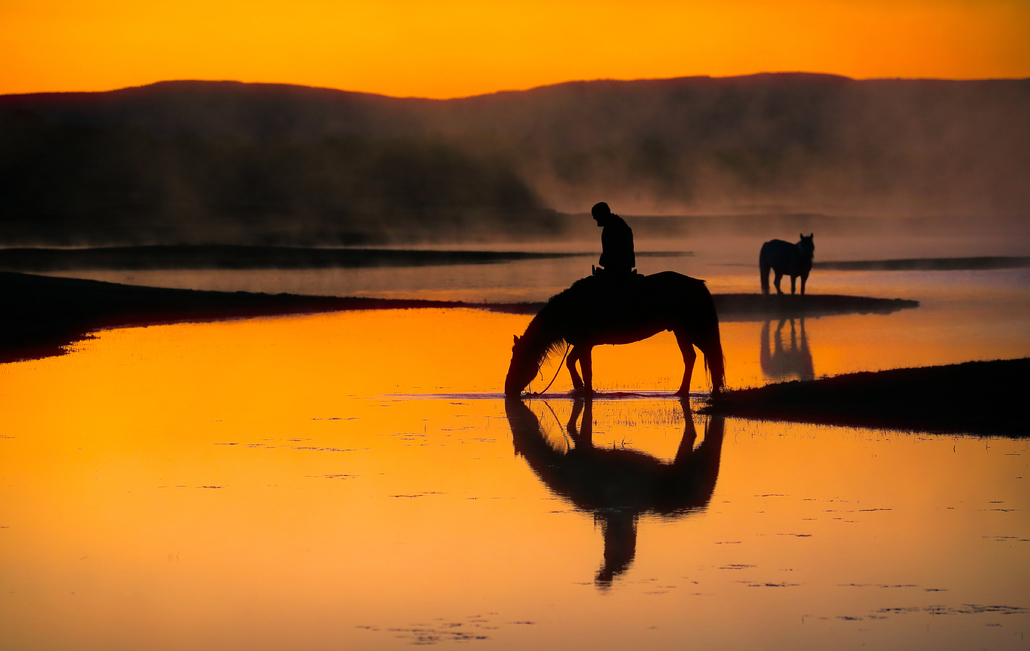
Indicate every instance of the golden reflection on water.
{"type": "Point", "coordinates": [280, 483]}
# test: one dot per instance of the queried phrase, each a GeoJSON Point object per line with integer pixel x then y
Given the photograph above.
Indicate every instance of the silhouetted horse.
{"type": "Point", "coordinates": [778, 363]}
{"type": "Point", "coordinates": [619, 484]}
{"type": "Point", "coordinates": [598, 311]}
{"type": "Point", "coordinates": [788, 259]}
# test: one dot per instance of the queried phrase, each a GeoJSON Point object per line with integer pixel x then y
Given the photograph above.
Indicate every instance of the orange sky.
{"type": "Point", "coordinates": [456, 48]}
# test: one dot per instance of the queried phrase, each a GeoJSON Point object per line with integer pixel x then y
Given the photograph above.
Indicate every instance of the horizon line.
{"type": "Point", "coordinates": [509, 90]}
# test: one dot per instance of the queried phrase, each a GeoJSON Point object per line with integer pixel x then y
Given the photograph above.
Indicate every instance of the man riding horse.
{"type": "Point", "coordinates": [618, 306]}
{"type": "Point", "coordinates": [617, 259]}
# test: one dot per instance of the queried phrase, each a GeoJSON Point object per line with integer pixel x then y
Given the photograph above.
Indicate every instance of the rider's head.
{"type": "Point", "coordinates": [601, 212]}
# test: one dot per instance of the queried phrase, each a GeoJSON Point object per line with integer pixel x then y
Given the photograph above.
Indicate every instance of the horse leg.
{"type": "Point", "coordinates": [582, 437]}
{"type": "Point", "coordinates": [804, 279]}
{"type": "Point", "coordinates": [793, 281]}
{"type": "Point", "coordinates": [570, 363]}
{"type": "Point", "coordinates": [689, 357]}
{"type": "Point", "coordinates": [776, 281]}
{"type": "Point", "coordinates": [587, 364]}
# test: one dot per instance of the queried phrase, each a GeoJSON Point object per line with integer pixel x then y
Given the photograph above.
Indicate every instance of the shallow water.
{"type": "Point", "coordinates": [355, 480]}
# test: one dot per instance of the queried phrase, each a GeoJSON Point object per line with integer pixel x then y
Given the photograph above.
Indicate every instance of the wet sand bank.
{"type": "Point", "coordinates": [973, 398]}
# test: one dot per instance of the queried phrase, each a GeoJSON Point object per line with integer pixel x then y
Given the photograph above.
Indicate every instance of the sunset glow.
{"type": "Point", "coordinates": [320, 329]}
{"type": "Point", "coordinates": [461, 48]}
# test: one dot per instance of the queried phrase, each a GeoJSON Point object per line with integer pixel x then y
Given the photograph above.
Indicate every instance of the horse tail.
{"type": "Point", "coordinates": [706, 337]}
{"type": "Point", "coordinates": [763, 269]}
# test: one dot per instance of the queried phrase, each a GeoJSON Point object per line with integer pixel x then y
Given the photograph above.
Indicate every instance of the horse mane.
{"type": "Point", "coordinates": [550, 349]}
{"type": "Point", "coordinates": [556, 306]}
{"type": "Point", "coordinates": [553, 348]}
{"type": "Point", "coordinates": [546, 344]}
{"type": "Point", "coordinates": [572, 292]}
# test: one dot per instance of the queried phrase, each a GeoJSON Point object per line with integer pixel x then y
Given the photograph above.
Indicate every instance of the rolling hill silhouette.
{"type": "Point", "coordinates": [195, 161]}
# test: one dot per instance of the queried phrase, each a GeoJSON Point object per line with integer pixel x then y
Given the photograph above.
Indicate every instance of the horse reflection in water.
{"type": "Point", "coordinates": [779, 363]}
{"type": "Point", "coordinates": [618, 485]}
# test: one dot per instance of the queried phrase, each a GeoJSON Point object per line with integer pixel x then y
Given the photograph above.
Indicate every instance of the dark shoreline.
{"type": "Point", "coordinates": [211, 256]}
{"type": "Point", "coordinates": [756, 307]}
{"type": "Point", "coordinates": [984, 398]}
{"type": "Point", "coordinates": [42, 314]}
{"type": "Point", "coordinates": [981, 263]}
{"type": "Point", "coordinates": [157, 257]}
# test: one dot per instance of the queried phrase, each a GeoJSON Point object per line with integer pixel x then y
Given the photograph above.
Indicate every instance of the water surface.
{"type": "Point", "coordinates": [355, 480]}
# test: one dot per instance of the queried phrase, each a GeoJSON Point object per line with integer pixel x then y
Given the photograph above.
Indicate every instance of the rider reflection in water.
{"type": "Point", "coordinates": [616, 242]}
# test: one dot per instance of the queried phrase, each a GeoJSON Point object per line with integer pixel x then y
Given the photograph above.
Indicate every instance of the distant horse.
{"type": "Point", "coordinates": [619, 484]}
{"type": "Point", "coordinates": [597, 311]}
{"type": "Point", "coordinates": [788, 259]}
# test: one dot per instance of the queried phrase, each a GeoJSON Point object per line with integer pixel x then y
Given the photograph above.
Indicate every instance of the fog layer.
{"type": "Point", "coordinates": [253, 163]}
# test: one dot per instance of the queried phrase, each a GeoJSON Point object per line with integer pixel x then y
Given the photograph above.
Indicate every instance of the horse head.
{"type": "Point", "coordinates": [522, 369]}
{"type": "Point", "coordinates": [806, 244]}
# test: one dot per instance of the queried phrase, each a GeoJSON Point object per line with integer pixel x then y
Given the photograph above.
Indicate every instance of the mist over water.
{"type": "Point", "coordinates": [727, 259]}
{"type": "Point", "coordinates": [221, 162]}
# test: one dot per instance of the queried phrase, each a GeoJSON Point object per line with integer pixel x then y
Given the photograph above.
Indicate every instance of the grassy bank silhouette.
{"type": "Point", "coordinates": [970, 398]}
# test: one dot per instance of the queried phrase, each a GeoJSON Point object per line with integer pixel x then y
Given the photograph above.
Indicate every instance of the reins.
{"type": "Point", "coordinates": [538, 393]}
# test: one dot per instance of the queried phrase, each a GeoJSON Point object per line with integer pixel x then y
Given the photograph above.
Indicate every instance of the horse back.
{"type": "Point", "coordinates": [622, 310]}
{"type": "Point", "coordinates": [784, 257]}
{"type": "Point", "coordinates": [670, 279]}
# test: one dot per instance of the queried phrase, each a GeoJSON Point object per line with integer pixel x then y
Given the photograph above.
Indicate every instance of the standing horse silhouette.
{"type": "Point", "coordinates": [619, 484]}
{"type": "Point", "coordinates": [788, 259]}
{"type": "Point", "coordinates": [597, 311]}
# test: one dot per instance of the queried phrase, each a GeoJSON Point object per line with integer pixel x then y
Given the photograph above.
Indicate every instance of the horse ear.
{"type": "Point", "coordinates": [802, 235]}
{"type": "Point", "coordinates": [516, 338]}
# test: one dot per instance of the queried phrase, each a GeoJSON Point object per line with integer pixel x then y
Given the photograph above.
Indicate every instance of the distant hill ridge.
{"type": "Point", "coordinates": [259, 110]}
{"type": "Point", "coordinates": [226, 160]}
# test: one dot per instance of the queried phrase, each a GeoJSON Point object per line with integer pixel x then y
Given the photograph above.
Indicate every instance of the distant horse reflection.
{"type": "Point", "coordinates": [618, 485]}
{"type": "Point", "coordinates": [779, 363]}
